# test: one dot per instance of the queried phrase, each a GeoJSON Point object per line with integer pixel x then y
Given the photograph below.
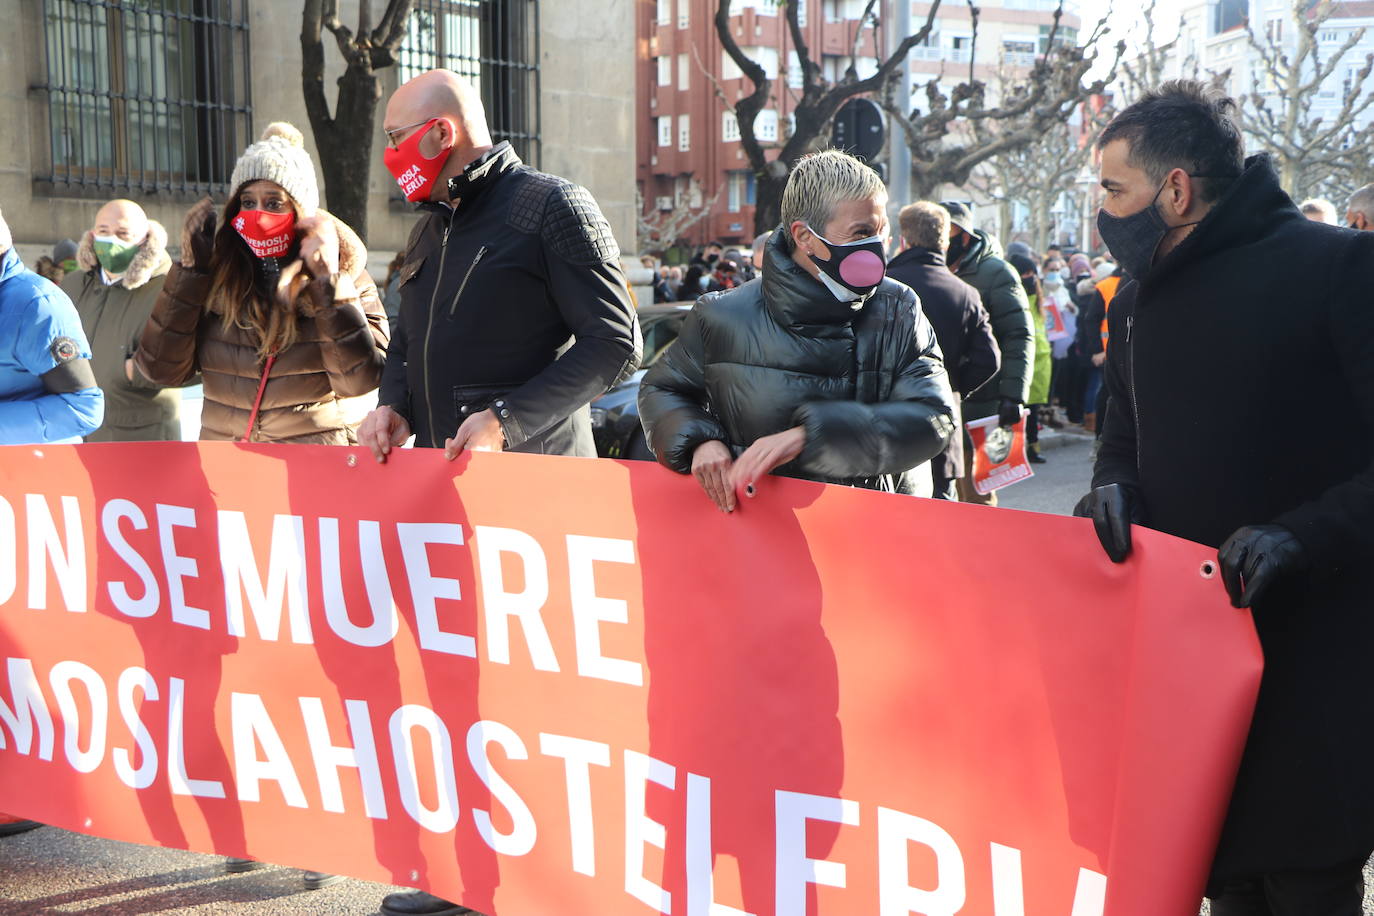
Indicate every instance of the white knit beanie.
{"type": "Point", "coordinates": [280, 157]}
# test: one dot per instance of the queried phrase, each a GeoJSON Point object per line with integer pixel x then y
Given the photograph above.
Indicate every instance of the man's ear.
{"type": "Point", "coordinates": [800, 232]}
{"type": "Point", "coordinates": [445, 131]}
{"type": "Point", "coordinates": [1180, 192]}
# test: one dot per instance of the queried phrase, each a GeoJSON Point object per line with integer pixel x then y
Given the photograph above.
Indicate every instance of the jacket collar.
{"type": "Point", "coordinates": [982, 248]}
{"type": "Point", "coordinates": [1253, 207]}
{"type": "Point", "coordinates": [794, 297]}
{"type": "Point", "coordinates": [928, 257]}
{"type": "Point", "coordinates": [477, 176]}
{"type": "Point", "coordinates": [151, 260]}
{"type": "Point", "coordinates": [10, 264]}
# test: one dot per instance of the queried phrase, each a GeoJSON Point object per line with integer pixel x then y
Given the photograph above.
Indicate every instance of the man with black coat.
{"type": "Point", "coordinates": [958, 317]}
{"type": "Point", "coordinates": [1211, 339]}
{"type": "Point", "coordinates": [515, 312]}
{"type": "Point", "coordinates": [975, 256]}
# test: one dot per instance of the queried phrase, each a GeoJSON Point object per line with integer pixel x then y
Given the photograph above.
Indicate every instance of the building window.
{"type": "Point", "coordinates": [1273, 30]}
{"type": "Point", "coordinates": [665, 70]}
{"type": "Point", "coordinates": [684, 72]}
{"type": "Point", "coordinates": [684, 13]}
{"type": "Point", "coordinates": [729, 127]}
{"type": "Point", "coordinates": [734, 191]}
{"type": "Point", "coordinates": [496, 46]}
{"type": "Point", "coordinates": [665, 12]}
{"type": "Point", "coordinates": [766, 125]}
{"type": "Point", "coordinates": [145, 99]}
{"type": "Point", "coordinates": [665, 130]}
{"type": "Point", "coordinates": [684, 132]}
{"type": "Point", "coordinates": [801, 12]}
{"type": "Point", "coordinates": [796, 79]}
{"type": "Point", "coordinates": [749, 188]}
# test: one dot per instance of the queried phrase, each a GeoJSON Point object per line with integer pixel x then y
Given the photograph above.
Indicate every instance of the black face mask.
{"type": "Point", "coordinates": [958, 247]}
{"type": "Point", "coordinates": [1133, 240]}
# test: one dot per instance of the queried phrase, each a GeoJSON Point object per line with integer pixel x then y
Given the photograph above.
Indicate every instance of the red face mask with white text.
{"type": "Point", "coordinates": [412, 171]}
{"type": "Point", "coordinates": [269, 235]}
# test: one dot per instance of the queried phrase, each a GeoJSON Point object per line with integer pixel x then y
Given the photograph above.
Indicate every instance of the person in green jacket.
{"type": "Point", "coordinates": [122, 262]}
{"type": "Point", "coordinates": [1044, 362]}
{"type": "Point", "coordinates": [976, 258]}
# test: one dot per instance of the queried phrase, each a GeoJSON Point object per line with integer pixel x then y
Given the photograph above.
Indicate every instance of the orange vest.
{"type": "Point", "coordinates": [1108, 290]}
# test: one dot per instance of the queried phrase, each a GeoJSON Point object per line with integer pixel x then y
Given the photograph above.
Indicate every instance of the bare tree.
{"type": "Point", "coordinates": [1041, 174]}
{"type": "Point", "coordinates": [1146, 69]}
{"type": "Point", "coordinates": [344, 138]}
{"type": "Point", "coordinates": [815, 110]}
{"type": "Point", "coordinates": [661, 229]}
{"type": "Point", "coordinates": [1316, 150]}
{"type": "Point", "coordinates": [951, 135]}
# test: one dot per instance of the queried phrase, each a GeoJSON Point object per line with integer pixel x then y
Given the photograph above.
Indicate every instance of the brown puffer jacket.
{"type": "Point", "coordinates": [312, 394]}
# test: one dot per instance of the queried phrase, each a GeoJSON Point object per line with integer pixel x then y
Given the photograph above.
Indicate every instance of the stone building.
{"type": "Point", "coordinates": [155, 101]}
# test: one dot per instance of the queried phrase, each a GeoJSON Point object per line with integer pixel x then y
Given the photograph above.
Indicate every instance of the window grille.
{"type": "Point", "coordinates": [494, 43]}
{"type": "Point", "coordinates": [145, 97]}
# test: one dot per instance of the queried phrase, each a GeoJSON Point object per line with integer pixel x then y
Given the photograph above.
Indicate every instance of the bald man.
{"type": "Point", "coordinates": [515, 313]}
{"type": "Point", "coordinates": [1359, 213]}
{"type": "Point", "coordinates": [122, 261]}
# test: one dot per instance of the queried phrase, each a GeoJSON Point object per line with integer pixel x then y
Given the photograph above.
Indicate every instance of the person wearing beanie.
{"type": "Point", "coordinates": [123, 261]}
{"type": "Point", "coordinates": [272, 304]}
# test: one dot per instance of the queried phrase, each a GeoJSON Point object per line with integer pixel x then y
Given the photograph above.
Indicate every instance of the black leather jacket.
{"type": "Point", "coordinates": [513, 299]}
{"type": "Point", "coordinates": [868, 384]}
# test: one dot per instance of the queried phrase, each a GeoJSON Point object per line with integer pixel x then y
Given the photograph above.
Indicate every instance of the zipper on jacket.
{"type": "Point", "coordinates": [453, 309]}
{"type": "Point", "coordinates": [429, 330]}
{"type": "Point", "coordinates": [1135, 408]}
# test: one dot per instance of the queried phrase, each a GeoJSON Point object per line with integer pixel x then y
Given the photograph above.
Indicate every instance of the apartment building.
{"type": "Point", "coordinates": [688, 148]}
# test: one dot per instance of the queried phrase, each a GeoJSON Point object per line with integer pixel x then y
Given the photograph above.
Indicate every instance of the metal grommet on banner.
{"type": "Point", "coordinates": [1208, 570]}
{"type": "Point", "coordinates": [353, 461]}
{"type": "Point", "coordinates": [38, 453]}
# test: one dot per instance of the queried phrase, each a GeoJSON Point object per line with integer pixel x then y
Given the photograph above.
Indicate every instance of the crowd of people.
{"type": "Point", "coordinates": [816, 356]}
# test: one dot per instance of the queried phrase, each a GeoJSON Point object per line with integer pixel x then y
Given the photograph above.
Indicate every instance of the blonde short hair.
{"type": "Point", "coordinates": [822, 180]}
{"type": "Point", "coordinates": [925, 225]}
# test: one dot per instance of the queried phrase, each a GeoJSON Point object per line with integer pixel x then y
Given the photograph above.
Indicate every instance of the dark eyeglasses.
{"type": "Point", "coordinates": [391, 140]}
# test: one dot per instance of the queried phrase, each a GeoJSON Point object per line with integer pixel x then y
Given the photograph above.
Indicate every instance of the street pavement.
{"type": "Point", "coordinates": [1061, 481]}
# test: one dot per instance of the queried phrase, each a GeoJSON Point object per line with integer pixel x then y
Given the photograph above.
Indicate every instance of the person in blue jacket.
{"type": "Point", "coordinates": [47, 389]}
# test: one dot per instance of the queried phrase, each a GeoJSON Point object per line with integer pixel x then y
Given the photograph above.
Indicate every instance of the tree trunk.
{"type": "Point", "coordinates": [768, 201]}
{"type": "Point", "coordinates": [345, 146]}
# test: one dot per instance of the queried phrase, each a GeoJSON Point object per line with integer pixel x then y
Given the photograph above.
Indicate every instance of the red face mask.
{"type": "Point", "coordinates": [412, 171]}
{"type": "Point", "coordinates": [269, 235]}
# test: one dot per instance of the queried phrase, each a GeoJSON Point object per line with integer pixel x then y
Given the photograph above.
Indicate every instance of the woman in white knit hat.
{"type": "Point", "coordinates": [274, 308]}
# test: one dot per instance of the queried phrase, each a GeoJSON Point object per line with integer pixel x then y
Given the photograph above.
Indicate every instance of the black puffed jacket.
{"type": "Point", "coordinates": [867, 383]}
{"type": "Point", "coordinates": [513, 299]}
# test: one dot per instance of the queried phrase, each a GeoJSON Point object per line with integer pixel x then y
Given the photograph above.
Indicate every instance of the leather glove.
{"type": "Point", "coordinates": [1254, 556]}
{"type": "Point", "coordinates": [1113, 509]}
{"type": "Point", "coordinates": [1008, 412]}
{"type": "Point", "coordinates": [198, 236]}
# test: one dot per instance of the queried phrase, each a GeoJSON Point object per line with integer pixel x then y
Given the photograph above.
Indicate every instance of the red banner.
{"type": "Point", "coordinates": [540, 684]}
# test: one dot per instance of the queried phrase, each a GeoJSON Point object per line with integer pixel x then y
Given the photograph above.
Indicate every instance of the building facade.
{"type": "Point", "coordinates": [155, 102]}
{"type": "Point", "coordinates": [689, 153]}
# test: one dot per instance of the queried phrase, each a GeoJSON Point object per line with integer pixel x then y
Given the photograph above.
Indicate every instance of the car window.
{"type": "Point", "coordinates": [659, 335]}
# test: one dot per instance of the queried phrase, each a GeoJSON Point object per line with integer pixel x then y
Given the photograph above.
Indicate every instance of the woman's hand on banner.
{"type": "Point", "coordinates": [711, 463]}
{"type": "Point", "coordinates": [1113, 508]}
{"type": "Point", "coordinates": [766, 454]}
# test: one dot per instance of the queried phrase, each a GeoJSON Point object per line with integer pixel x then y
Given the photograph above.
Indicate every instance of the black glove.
{"type": "Point", "coordinates": [1113, 509]}
{"type": "Point", "coordinates": [198, 236]}
{"type": "Point", "coordinates": [1008, 412]}
{"type": "Point", "coordinates": [1253, 557]}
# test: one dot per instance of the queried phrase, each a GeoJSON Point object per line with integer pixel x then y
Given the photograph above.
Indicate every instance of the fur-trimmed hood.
{"type": "Point", "coordinates": [151, 261]}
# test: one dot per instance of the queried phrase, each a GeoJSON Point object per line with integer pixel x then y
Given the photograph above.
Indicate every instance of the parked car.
{"type": "Point", "coordinates": [615, 415]}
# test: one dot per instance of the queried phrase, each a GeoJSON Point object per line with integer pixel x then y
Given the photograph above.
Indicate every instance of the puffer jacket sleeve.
{"type": "Point", "coordinates": [167, 349]}
{"type": "Point", "coordinates": [672, 400]}
{"type": "Point", "coordinates": [846, 439]}
{"type": "Point", "coordinates": [1009, 311]}
{"type": "Point", "coordinates": [354, 334]}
